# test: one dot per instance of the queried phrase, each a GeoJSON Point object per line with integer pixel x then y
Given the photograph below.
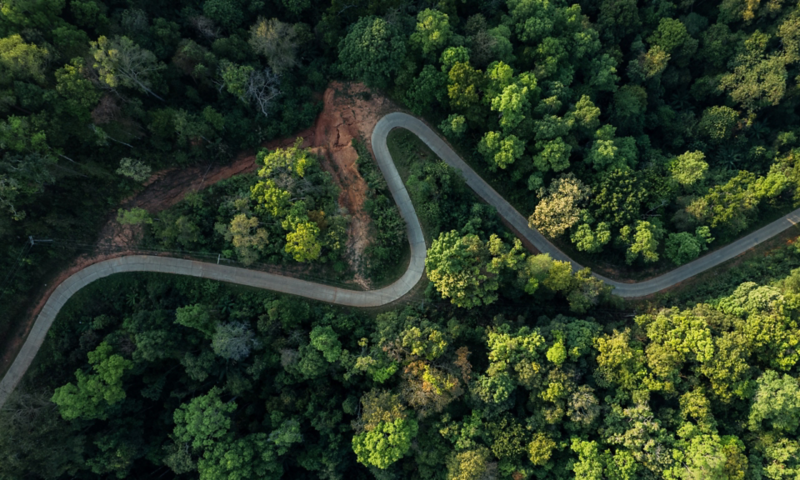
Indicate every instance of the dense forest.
{"type": "Point", "coordinates": [150, 376]}
{"type": "Point", "coordinates": [638, 133]}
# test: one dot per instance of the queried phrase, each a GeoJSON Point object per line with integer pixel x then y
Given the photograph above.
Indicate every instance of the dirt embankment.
{"type": "Point", "coordinates": [350, 111]}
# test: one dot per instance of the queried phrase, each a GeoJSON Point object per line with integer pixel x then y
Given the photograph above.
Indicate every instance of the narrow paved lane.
{"type": "Point", "coordinates": [520, 223]}
{"type": "Point", "coordinates": [373, 298]}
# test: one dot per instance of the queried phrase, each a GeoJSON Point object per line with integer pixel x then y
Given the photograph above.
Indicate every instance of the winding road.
{"type": "Point", "coordinates": [372, 298]}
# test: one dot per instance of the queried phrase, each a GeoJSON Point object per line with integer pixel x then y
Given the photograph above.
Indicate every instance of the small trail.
{"type": "Point", "coordinates": [370, 298]}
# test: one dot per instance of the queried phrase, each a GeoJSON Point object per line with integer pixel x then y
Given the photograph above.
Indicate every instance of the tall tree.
{"type": "Point", "coordinates": [373, 50]}
{"type": "Point", "coordinates": [559, 206]}
{"type": "Point", "coordinates": [277, 41]}
{"type": "Point", "coordinates": [121, 62]}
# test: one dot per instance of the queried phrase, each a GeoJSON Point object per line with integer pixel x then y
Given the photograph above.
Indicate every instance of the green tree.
{"type": "Point", "coordinates": [618, 197]}
{"type": "Point", "coordinates": [432, 33]}
{"type": "Point", "coordinates": [287, 166]}
{"type": "Point", "coordinates": [620, 361]}
{"type": "Point", "coordinates": [757, 80]}
{"type": "Point", "coordinates": [458, 266]}
{"type": "Point", "coordinates": [121, 62]}
{"type": "Point", "coordinates": [180, 230]}
{"type": "Point", "coordinates": [729, 206]}
{"type": "Point", "coordinates": [671, 36]}
{"type": "Point", "coordinates": [587, 240]}
{"type": "Point", "coordinates": [38, 14]}
{"type": "Point", "coordinates": [94, 393]}
{"type": "Point", "coordinates": [709, 456]}
{"type": "Point", "coordinates": [234, 340]}
{"type": "Point", "coordinates": [689, 168]}
{"type": "Point", "coordinates": [427, 90]}
{"type": "Point", "coordinates": [22, 178]}
{"type": "Point", "coordinates": [286, 435]}
{"type": "Point", "coordinates": [89, 14]}
{"type": "Point", "coordinates": [77, 95]}
{"type": "Point", "coordinates": [603, 76]}
{"type": "Point", "coordinates": [684, 247]}
{"type": "Point", "coordinates": [553, 155]}
{"type": "Point", "coordinates": [373, 50]}
{"type": "Point", "coordinates": [454, 126]}
{"type": "Point", "coordinates": [245, 236]}
{"type": "Point", "coordinates": [500, 151]}
{"type": "Point", "coordinates": [776, 403]}
{"type": "Point", "coordinates": [134, 216]}
{"type": "Point", "coordinates": [197, 316]}
{"type": "Point", "coordinates": [227, 13]}
{"type": "Point", "coordinates": [464, 86]}
{"type": "Point", "coordinates": [718, 123]}
{"type": "Point", "coordinates": [21, 61]}
{"type": "Point", "coordinates": [204, 421]}
{"type": "Point", "coordinates": [512, 105]}
{"type": "Point", "coordinates": [387, 443]}
{"type": "Point", "coordinates": [327, 341]}
{"type": "Point", "coordinates": [540, 449]}
{"type": "Point", "coordinates": [609, 152]}
{"type": "Point", "coordinates": [642, 240]}
{"type": "Point", "coordinates": [249, 457]}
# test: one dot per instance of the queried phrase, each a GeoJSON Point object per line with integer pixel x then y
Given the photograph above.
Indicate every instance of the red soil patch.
{"type": "Point", "coordinates": [350, 111]}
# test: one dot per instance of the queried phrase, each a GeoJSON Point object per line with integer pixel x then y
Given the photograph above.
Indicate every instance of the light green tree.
{"type": "Point", "coordinates": [642, 240]}
{"type": "Point", "coordinates": [457, 267]}
{"type": "Point", "coordinates": [302, 241]}
{"type": "Point", "coordinates": [432, 32]}
{"type": "Point", "coordinates": [689, 168]}
{"type": "Point", "coordinates": [501, 151]}
{"type": "Point", "coordinates": [21, 61]}
{"type": "Point", "coordinates": [454, 126]}
{"type": "Point", "coordinates": [94, 392]}
{"type": "Point", "coordinates": [776, 403]}
{"type": "Point", "coordinates": [204, 420]}
{"type": "Point", "coordinates": [197, 316]}
{"type": "Point", "coordinates": [553, 155]}
{"type": "Point", "coordinates": [119, 61]}
{"type": "Point", "coordinates": [387, 443]}
{"type": "Point", "coordinates": [469, 465]}
{"type": "Point", "coordinates": [136, 170]}
{"type": "Point", "coordinates": [587, 240]}
{"type": "Point", "coordinates": [512, 105]}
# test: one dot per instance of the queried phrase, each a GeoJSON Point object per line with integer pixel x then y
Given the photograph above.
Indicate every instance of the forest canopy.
{"type": "Point", "coordinates": [631, 132]}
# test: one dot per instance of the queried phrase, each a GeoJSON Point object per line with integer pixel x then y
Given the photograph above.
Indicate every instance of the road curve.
{"type": "Point", "coordinates": [520, 223]}
{"type": "Point", "coordinates": [372, 298]}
